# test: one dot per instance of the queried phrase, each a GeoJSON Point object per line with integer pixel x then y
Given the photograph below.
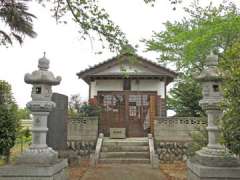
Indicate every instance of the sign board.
{"type": "Point", "coordinates": [117, 133]}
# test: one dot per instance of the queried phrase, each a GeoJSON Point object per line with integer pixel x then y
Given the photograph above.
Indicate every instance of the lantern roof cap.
{"type": "Point", "coordinates": [211, 72]}
{"type": "Point", "coordinates": [42, 75]}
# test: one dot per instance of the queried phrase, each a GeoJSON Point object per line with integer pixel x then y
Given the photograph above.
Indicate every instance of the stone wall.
{"type": "Point", "coordinates": [172, 135]}
{"type": "Point", "coordinates": [82, 134]}
{"type": "Point", "coordinates": [168, 152]}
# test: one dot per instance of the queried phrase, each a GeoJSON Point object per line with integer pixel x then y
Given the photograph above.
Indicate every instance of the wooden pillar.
{"type": "Point", "coordinates": [126, 95]}
{"type": "Point", "coordinates": [152, 112]}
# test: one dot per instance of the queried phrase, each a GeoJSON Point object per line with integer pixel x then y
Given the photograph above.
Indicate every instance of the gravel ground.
{"type": "Point", "coordinates": [123, 172]}
{"type": "Point", "coordinates": [174, 171]}
{"type": "Point", "coordinates": [116, 172]}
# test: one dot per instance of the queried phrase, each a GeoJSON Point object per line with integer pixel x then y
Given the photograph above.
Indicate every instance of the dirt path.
{"type": "Point", "coordinates": [123, 172]}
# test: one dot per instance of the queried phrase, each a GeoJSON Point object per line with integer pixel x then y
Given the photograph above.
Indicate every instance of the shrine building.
{"type": "Point", "coordinates": [131, 91]}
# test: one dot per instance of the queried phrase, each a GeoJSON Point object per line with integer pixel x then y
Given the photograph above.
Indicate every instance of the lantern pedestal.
{"type": "Point", "coordinates": [57, 170]}
{"type": "Point", "coordinates": [197, 171]}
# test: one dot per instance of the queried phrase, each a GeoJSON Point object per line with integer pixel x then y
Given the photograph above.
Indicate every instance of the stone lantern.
{"type": "Point", "coordinates": [39, 161]}
{"type": "Point", "coordinates": [211, 81]}
{"type": "Point", "coordinates": [40, 107]}
{"type": "Point", "coordinates": [213, 161]}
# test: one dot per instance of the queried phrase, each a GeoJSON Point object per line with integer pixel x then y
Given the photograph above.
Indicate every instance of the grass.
{"type": "Point", "coordinates": [16, 151]}
{"type": "Point", "coordinates": [2, 162]}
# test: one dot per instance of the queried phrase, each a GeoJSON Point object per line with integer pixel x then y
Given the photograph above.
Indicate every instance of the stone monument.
{"type": "Point", "coordinates": [214, 161]}
{"type": "Point", "coordinates": [39, 161]}
{"type": "Point", "coordinates": [57, 123]}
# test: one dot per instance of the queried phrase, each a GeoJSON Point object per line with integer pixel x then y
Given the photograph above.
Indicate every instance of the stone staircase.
{"type": "Point", "coordinates": [130, 150]}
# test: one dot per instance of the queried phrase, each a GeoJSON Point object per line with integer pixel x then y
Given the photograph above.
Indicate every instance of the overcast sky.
{"type": "Point", "coordinates": [68, 54]}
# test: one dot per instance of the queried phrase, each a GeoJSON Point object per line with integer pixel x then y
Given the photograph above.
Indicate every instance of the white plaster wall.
{"type": "Point", "coordinates": [130, 69]}
{"type": "Point", "coordinates": [117, 85]}
{"type": "Point", "coordinates": [93, 90]}
{"type": "Point", "coordinates": [149, 85]}
{"type": "Point", "coordinates": [106, 85]}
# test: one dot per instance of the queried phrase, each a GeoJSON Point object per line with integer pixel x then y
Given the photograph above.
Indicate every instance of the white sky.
{"type": "Point", "coordinates": [68, 54]}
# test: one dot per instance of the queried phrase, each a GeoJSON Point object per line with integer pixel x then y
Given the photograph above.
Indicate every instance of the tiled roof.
{"type": "Point", "coordinates": [88, 71]}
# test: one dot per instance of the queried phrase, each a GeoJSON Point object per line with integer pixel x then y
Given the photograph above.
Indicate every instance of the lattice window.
{"type": "Point", "coordinates": [136, 99]}
{"type": "Point", "coordinates": [132, 110]}
{"type": "Point", "coordinates": [145, 100]}
{"type": "Point", "coordinates": [112, 102]}
{"type": "Point", "coordinates": [117, 100]}
{"type": "Point", "coordinates": [107, 102]}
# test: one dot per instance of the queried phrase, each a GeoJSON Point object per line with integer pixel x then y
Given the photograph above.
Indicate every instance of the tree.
{"type": "Point", "coordinates": [86, 13]}
{"type": "Point", "coordinates": [231, 104]}
{"type": "Point", "coordinates": [78, 108]}
{"type": "Point", "coordinates": [94, 22]}
{"type": "Point", "coordinates": [184, 98]}
{"type": "Point", "coordinates": [74, 105]}
{"type": "Point", "coordinates": [18, 20]}
{"type": "Point", "coordinates": [23, 113]}
{"type": "Point", "coordinates": [188, 42]}
{"type": "Point", "coordinates": [89, 110]}
{"type": "Point", "coordinates": [8, 119]}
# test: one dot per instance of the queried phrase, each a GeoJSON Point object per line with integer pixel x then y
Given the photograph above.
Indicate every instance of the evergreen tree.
{"type": "Point", "coordinates": [8, 119]}
{"type": "Point", "coordinates": [184, 98]}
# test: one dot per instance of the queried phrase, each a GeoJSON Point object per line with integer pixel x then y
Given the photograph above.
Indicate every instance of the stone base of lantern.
{"type": "Point", "coordinates": [196, 171]}
{"type": "Point", "coordinates": [38, 156]}
{"type": "Point", "coordinates": [38, 164]}
{"type": "Point", "coordinates": [216, 158]}
{"type": "Point", "coordinates": [209, 164]}
{"type": "Point", "coordinates": [55, 171]}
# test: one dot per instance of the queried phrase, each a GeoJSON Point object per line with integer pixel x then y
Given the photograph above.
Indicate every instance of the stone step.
{"type": "Point", "coordinates": [125, 143]}
{"type": "Point", "coordinates": [128, 148]}
{"type": "Point", "coordinates": [127, 139]}
{"type": "Point", "coordinates": [105, 155]}
{"type": "Point", "coordinates": [124, 161]}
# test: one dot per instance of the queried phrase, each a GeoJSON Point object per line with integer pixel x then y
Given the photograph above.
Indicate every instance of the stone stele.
{"type": "Point", "coordinates": [39, 162]}
{"type": "Point", "coordinates": [213, 162]}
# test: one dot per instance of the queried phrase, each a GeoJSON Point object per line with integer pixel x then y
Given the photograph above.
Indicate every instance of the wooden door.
{"type": "Point", "coordinates": [113, 111]}
{"type": "Point", "coordinates": [125, 109]}
{"type": "Point", "coordinates": [135, 120]}
{"type": "Point", "coordinates": [139, 114]}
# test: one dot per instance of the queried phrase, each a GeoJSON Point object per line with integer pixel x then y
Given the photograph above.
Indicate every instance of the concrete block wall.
{"type": "Point", "coordinates": [82, 134]}
{"type": "Point", "coordinates": [172, 135]}
{"type": "Point", "coordinates": [175, 128]}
